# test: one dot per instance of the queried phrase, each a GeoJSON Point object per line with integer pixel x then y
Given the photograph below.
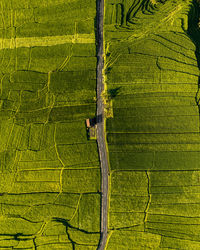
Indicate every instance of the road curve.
{"type": "Point", "coordinates": [101, 141]}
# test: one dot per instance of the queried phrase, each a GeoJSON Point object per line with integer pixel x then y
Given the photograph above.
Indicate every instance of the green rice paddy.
{"type": "Point", "coordinates": [152, 56]}
{"type": "Point", "coordinates": [50, 182]}
{"type": "Point", "coordinates": [50, 172]}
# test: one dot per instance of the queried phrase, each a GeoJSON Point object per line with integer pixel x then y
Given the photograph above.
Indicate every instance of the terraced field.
{"type": "Point", "coordinates": [50, 174]}
{"type": "Point", "coordinates": [152, 76]}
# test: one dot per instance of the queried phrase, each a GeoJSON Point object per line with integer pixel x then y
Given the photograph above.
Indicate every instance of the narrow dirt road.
{"type": "Point", "coordinates": [100, 127]}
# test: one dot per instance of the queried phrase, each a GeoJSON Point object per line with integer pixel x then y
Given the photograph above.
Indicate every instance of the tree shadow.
{"type": "Point", "coordinates": [193, 27]}
{"type": "Point", "coordinates": [112, 93]}
{"type": "Point", "coordinates": [68, 225]}
{"type": "Point", "coordinates": [194, 34]}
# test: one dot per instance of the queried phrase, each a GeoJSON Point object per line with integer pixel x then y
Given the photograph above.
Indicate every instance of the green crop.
{"type": "Point", "coordinates": [152, 75]}
{"type": "Point", "coordinates": [50, 172]}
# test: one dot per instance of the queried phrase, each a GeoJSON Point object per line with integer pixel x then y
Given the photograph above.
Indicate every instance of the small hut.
{"type": "Point", "coordinates": [88, 123]}
{"type": "Point", "coordinates": [91, 128]}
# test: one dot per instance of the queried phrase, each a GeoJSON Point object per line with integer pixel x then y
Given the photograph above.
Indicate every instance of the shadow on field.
{"type": "Point", "coordinates": [194, 27]}
{"type": "Point", "coordinates": [67, 225]}
{"type": "Point", "coordinates": [194, 34]}
{"type": "Point", "coordinates": [112, 93]}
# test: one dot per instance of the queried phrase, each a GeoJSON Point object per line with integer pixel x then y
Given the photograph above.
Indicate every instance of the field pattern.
{"type": "Point", "coordinates": [50, 174]}
{"type": "Point", "coordinates": [152, 76]}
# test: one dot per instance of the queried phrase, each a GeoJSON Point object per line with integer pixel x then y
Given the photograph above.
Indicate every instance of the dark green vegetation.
{"type": "Point", "coordinates": [50, 176]}
{"type": "Point", "coordinates": [152, 57]}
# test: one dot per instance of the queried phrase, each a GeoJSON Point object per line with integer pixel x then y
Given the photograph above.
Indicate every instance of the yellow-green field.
{"type": "Point", "coordinates": [50, 173]}
{"type": "Point", "coordinates": [50, 182]}
{"type": "Point", "coordinates": [152, 75]}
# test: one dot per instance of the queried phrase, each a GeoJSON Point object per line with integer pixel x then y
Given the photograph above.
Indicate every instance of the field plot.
{"type": "Point", "coordinates": [152, 76]}
{"type": "Point", "coordinates": [50, 173]}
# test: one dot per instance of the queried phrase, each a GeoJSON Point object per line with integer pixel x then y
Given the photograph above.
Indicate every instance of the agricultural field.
{"type": "Point", "coordinates": [50, 171]}
{"type": "Point", "coordinates": [152, 76]}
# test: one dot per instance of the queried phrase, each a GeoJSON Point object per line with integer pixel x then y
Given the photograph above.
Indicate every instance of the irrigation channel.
{"type": "Point", "coordinates": [101, 141]}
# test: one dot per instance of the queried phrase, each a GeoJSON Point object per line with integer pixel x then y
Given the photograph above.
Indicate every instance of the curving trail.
{"type": "Point", "coordinates": [100, 127]}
